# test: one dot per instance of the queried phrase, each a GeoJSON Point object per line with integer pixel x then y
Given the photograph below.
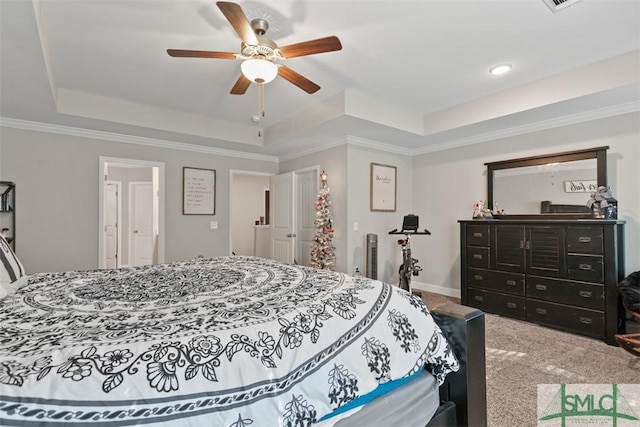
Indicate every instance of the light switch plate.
{"type": "Point", "coordinates": [213, 225]}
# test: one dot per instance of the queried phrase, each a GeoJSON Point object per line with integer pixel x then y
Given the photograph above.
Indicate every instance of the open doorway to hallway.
{"type": "Point", "coordinates": [249, 205]}
{"type": "Point", "coordinates": [131, 213]}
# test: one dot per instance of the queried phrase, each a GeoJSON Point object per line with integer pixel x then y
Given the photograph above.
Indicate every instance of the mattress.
{"type": "Point", "coordinates": [409, 405]}
{"type": "Point", "coordinates": [223, 341]}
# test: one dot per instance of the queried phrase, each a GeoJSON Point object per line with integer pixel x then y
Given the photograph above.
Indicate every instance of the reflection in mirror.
{"type": "Point", "coordinates": [546, 188]}
{"type": "Point", "coordinates": [552, 184]}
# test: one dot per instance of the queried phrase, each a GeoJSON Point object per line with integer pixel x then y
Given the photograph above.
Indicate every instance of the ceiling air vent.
{"type": "Point", "coordinates": [556, 5]}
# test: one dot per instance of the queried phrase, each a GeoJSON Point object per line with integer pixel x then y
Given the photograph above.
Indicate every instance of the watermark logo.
{"type": "Point", "coordinates": [615, 405]}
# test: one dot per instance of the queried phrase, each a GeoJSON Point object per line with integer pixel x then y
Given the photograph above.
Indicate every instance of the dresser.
{"type": "Point", "coordinates": [557, 273]}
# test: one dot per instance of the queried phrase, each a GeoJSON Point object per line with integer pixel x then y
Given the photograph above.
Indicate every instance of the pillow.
{"type": "Point", "coordinates": [10, 267]}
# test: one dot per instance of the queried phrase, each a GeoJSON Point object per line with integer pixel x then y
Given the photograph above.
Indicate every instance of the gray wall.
{"type": "Point", "coordinates": [57, 198]}
{"type": "Point", "coordinates": [348, 167]}
{"type": "Point", "coordinates": [447, 183]}
{"type": "Point", "coordinates": [380, 223]}
{"type": "Point", "coordinates": [58, 191]}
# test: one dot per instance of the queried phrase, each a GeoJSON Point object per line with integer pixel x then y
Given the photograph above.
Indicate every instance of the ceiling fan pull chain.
{"type": "Point", "coordinates": [261, 98]}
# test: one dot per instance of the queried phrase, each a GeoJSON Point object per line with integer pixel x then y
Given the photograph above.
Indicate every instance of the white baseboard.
{"type": "Point", "coordinates": [455, 293]}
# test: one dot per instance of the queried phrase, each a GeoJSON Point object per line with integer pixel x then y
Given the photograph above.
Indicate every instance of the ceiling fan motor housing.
{"type": "Point", "coordinates": [266, 48]}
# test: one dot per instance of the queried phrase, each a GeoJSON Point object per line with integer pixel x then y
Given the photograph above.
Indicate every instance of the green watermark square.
{"type": "Point", "coordinates": [589, 405]}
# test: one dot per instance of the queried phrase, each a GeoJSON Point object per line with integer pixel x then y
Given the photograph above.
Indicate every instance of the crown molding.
{"type": "Point", "coordinates": [380, 146]}
{"type": "Point", "coordinates": [630, 107]}
{"type": "Point", "coordinates": [601, 113]}
{"type": "Point", "coordinates": [129, 139]}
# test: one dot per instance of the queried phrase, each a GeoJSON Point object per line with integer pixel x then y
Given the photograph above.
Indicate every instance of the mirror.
{"type": "Point", "coordinates": [556, 184]}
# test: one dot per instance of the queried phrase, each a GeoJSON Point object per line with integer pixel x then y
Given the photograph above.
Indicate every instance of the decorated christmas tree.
{"type": "Point", "coordinates": [323, 253]}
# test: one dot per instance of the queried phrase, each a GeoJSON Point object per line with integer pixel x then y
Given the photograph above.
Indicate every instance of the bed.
{"type": "Point", "coordinates": [233, 341]}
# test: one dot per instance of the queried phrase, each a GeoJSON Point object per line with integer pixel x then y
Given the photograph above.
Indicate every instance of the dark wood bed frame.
{"type": "Point", "coordinates": [463, 396]}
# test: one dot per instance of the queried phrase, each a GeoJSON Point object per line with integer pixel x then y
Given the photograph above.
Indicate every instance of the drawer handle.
{"type": "Point", "coordinates": [477, 256]}
{"type": "Point", "coordinates": [511, 283]}
{"type": "Point", "coordinates": [585, 294]}
{"type": "Point", "coordinates": [541, 287]}
{"type": "Point", "coordinates": [478, 298]}
{"type": "Point", "coordinates": [541, 311]}
{"type": "Point", "coordinates": [586, 320]}
{"type": "Point", "coordinates": [477, 234]}
{"type": "Point", "coordinates": [477, 277]}
{"type": "Point", "coordinates": [586, 267]}
{"type": "Point", "coordinates": [512, 305]}
{"type": "Point", "coordinates": [584, 239]}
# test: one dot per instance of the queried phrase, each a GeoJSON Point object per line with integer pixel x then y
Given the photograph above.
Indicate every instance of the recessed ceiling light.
{"type": "Point", "coordinates": [496, 70]}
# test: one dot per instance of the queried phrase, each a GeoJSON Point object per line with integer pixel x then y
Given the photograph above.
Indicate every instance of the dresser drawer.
{"type": "Point", "coordinates": [497, 303]}
{"type": "Point", "coordinates": [500, 281]}
{"type": "Point", "coordinates": [569, 318]}
{"type": "Point", "coordinates": [585, 295]}
{"type": "Point", "coordinates": [477, 235]}
{"type": "Point", "coordinates": [478, 257]}
{"type": "Point", "coordinates": [588, 268]}
{"type": "Point", "coordinates": [584, 240]}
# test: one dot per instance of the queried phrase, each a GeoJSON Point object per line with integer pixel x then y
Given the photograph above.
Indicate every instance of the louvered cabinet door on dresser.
{"type": "Point", "coordinates": [562, 274]}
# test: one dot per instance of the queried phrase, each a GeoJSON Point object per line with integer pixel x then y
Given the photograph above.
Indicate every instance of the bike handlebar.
{"type": "Point", "coordinates": [405, 232]}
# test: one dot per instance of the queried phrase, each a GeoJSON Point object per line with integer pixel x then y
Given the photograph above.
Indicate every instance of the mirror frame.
{"type": "Point", "coordinates": [598, 153]}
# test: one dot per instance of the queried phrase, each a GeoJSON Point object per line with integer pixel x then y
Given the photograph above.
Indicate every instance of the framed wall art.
{"type": "Point", "coordinates": [198, 191]}
{"type": "Point", "coordinates": [383, 187]}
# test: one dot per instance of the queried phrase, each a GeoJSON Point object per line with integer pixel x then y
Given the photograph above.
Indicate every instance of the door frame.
{"type": "Point", "coordinates": [118, 184]}
{"type": "Point", "coordinates": [158, 185]}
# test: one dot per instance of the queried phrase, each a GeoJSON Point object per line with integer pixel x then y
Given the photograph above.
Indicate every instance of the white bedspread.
{"type": "Point", "coordinates": [230, 341]}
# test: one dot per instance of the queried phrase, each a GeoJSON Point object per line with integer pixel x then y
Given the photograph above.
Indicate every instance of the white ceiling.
{"type": "Point", "coordinates": [412, 75]}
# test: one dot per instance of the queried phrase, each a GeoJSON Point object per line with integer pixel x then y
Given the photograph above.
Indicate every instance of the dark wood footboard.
{"type": "Point", "coordinates": [467, 389]}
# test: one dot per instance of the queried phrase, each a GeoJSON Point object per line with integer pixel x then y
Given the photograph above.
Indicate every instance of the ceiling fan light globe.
{"type": "Point", "coordinates": [259, 70]}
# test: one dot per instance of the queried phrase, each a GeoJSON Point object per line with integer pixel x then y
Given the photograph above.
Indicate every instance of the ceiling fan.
{"type": "Point", "coordinates": [261, 53]}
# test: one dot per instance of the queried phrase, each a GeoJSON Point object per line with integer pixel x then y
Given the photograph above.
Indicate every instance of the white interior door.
{"type": "Point", "coordinates": [307, 193]}
{"type": "Point", "coordinates": [112, 206]}
{"type": "Point", "coordinates": [142, 236]}
{"type": "Point", "coordinates": [282, 217]}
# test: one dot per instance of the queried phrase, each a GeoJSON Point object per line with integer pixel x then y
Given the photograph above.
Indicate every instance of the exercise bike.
{"type": "Point", "coordinates": [409, 265]}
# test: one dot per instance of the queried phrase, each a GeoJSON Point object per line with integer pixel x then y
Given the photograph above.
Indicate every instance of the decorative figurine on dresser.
{"type": "Point", "coordinates": [557, 268]}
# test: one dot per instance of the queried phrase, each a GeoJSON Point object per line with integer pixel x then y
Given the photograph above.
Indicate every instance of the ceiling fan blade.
{"type": "Point", "coordinates": [297, 79]}
{"type": "Point", "coordinates": [326, 44]}
{"type": "Point", "coordinates": [180, 53]}
{"type": "Point", "coordinates": [238, 20]}
{"type": "Point", "coordinates": [241, 86]}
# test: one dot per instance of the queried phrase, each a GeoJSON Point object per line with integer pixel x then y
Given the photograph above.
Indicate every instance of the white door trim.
{"type": "Point", "coordinates": [118, 184]}
{"type": "Point", "coordinates": [102, 172]}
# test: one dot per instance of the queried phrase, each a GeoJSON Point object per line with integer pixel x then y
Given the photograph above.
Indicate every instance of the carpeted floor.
{"type": "Point", "coordinates": [521, 355]}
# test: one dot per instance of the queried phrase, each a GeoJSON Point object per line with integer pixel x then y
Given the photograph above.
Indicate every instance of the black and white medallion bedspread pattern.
{"type": "Point", "coordinates": [229, 341]}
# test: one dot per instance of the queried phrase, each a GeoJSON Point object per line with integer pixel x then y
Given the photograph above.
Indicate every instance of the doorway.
{"type": "Point", "coordinates": [287, 204]}
{"type": "Point", "coordinates": [249, 215]}
{"type": "Point", "coordinates": [131, 221]}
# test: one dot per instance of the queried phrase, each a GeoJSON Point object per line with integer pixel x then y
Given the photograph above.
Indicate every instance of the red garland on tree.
{"type": "Point", "coordinates": [323, 252]}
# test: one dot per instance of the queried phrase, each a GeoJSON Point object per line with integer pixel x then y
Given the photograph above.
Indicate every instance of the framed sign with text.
{"type": "Point", "coordinates": [198, 191]}
{"type": "Point", "coordinates": [383, 188]}
{"type": "Point", "coordinates": [580, 186]}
